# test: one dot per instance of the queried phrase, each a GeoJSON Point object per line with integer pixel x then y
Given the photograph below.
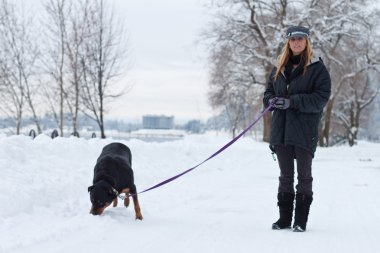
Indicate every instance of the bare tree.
{"type": "Point", "coordinates": [105, 50]}
{"type": "Point", "coordinates": [359, 91]}
{"type": "Point", "coordinates": [17, 63]}
{"type": "Point", "coordinates": [233, 99]}
{"type": "Point", "coordinates": [58, 12]}
{"type": "Point", "coordinates": [356, 100]}
{"type": "Point", "coordinates": [75, 51]}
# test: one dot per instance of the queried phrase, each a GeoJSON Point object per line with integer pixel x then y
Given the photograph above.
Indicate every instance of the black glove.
{"type": "Point", "coordinates": [280, 103]}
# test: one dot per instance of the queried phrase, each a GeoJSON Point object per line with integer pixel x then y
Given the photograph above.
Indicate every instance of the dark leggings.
{"type": "Point", "coordinates": [286, 156]}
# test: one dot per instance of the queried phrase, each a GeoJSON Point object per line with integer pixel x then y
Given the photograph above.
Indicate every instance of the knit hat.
{"type": "Point", "coordinates": [297, 31]}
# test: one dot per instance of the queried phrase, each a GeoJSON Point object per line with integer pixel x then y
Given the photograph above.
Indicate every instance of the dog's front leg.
{"type": "Point", "coordinates": [137, 207]}
{"type": "Point", "coordinates": [126, 200]}
{"type": "Point", "coordinates": [115, 202]}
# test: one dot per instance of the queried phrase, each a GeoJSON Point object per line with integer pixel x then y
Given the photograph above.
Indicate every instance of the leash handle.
{"type": "Point", "coordinates": [216, 153]}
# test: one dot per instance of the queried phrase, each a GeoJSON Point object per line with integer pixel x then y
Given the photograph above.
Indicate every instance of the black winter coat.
{"type": "Point", "coordinates": [308, 94]}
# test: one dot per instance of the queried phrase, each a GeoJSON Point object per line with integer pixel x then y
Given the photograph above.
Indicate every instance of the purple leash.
{"type": "Point", "coordinates": [213, 155]}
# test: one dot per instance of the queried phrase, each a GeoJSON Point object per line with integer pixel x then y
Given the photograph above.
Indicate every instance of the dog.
{"type": "Point", "coordinates": [113, 175]}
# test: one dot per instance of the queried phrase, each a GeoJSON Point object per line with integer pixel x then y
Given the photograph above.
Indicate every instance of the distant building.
{"type": "Point", "coordinates": [158, 122]}
{"type": "Point", "coordinates": [194, 126]}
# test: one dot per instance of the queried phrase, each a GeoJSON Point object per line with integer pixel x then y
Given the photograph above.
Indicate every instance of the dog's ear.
{"type": "Point", "coordinates": [90, 188]}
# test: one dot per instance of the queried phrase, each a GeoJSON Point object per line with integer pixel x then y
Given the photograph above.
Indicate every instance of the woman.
{"type": "Point", "coordinates": [298, 89]}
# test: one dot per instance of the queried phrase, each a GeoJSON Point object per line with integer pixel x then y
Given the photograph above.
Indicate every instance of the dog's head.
{"type": "Point", "coordinates": [101, 196]}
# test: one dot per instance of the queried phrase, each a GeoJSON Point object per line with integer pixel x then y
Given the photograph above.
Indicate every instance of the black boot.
{"type": "Point", "coordinates": [303, 203]}
{"type": "Point", "coordinates": [285, 204]}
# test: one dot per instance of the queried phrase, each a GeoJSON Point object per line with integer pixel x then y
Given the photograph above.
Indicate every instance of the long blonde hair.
{"type": "Point", "coordinates": [283, 58]}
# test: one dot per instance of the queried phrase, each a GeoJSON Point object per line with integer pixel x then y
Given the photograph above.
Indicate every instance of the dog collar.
{"type": "Point", "coordinates": [118, 194]}
{"type": "Point", "coordinates": [114, 191]}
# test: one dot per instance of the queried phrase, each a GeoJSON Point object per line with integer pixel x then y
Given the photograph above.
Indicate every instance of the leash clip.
{"type": "Point", "coordinates": [121, 197]}
{"type": "Point", "coordinates": [117, 194]}
{"type": "Point", "coordinates": [274, 156]}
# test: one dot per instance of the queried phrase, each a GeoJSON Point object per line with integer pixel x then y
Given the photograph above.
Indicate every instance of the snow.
{"type": "Point", "coordinates": [226, 205]}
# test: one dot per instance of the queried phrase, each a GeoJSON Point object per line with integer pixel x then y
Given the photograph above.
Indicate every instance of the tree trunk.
{"type": "Point", "coordinates": [18, 124]}
{"type": "Point", "coordinates": [35, 118]}
{"type": "Point", "coordinates": [102, 131]}
{"type": "Point", "coordinates": [324, 137]}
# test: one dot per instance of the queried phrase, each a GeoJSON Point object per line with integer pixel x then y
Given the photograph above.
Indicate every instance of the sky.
{"type": "Point", "coordinates": [225, 205]}
{"type": "Point", "coordinates": [168, 73]}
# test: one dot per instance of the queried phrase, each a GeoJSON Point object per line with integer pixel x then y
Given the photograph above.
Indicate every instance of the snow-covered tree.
{"type": "Point", "coordinates": [342, 35]}
{"type": "Point", "coordinates": [247, 37]}
{"type": "Point", "coordinates": [244, 42]}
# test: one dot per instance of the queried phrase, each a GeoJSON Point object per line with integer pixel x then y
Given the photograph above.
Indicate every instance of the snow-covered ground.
{"type": "Point", "coordinates": [226, 205]}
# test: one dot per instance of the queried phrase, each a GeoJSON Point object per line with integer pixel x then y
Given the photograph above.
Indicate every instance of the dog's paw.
{"type": "Point", "coordinates": [139, 216]}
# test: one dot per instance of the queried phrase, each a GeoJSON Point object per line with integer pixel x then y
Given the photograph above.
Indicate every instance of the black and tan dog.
{"type": "Point", "coordinates": [113, 175]}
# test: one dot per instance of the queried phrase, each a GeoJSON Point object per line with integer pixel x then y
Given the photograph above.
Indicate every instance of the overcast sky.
{"type": "Point", "coordinates": [169, 71]}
